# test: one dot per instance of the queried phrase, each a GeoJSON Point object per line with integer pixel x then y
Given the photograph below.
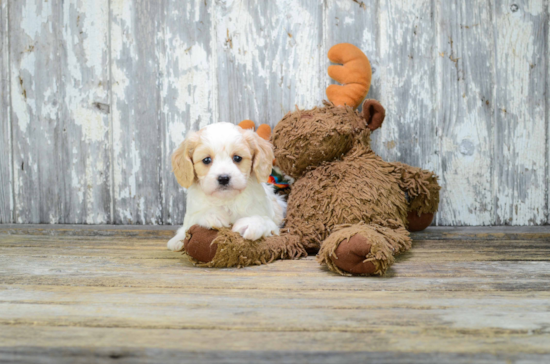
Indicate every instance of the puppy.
{"type": "Point", "coordinates": [223, 168]}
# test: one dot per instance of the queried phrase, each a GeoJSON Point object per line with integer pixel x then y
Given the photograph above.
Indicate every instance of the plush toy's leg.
{"type": "Point", "coordinates": [224, 248]}
{"type": "Point", "coordinates": [363, 249]}
{"type": "Point", "coordinates": [422, 192]}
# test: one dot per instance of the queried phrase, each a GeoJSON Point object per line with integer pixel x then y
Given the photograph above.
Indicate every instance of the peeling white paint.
{"type": "Point", "coordinates": [230, 60]}
{"type": "Point", "coordinates": [521, 114]}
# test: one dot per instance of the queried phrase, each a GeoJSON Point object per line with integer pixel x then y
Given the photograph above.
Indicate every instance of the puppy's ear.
{"type": "Point", "coordinates": [263, 156]}
{"type": "Point", "coordinates": [182, 164]}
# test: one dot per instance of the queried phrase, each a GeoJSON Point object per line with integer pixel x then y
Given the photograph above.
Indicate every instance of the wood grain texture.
{"type": "Point", "coordinates": [192, 346]}
{"type": "Point", "coordinates": [85, 90]}
{"type": "Point", "coordinates": [465, 116]}
{"type": "Point", "coordinates": [36, 97]}
{"type": "Point", "coordinates": [59, 76]}
{"type": "Point", "coordinates": [521, 66]}
{"type": "Point", "coordinates": [457, 298]}
{"type": "Point", "coordinates": [6, 183]}
{"type": "Point", "coordinates": [97, 95]}
{"type": "Point", "coordinates": [136, 49]}
{"type": "Point", "coordinates": [270, 58]}
{"type": "Point", "coordinates": [407, 72]}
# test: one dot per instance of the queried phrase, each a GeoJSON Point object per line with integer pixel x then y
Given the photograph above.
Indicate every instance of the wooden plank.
{"type": "Point", "coordinates": [85, 83]}
{"type": "Point", "coordinates": [35, 32]}
{"type": "Point", "coordinates": [136, 48]}
{"type": "Point", "coordinates": [521, 67]}
{"type": "Point", "coordinates": [6, 186]}
{"type": "Point", "coordinates": [59, 91]}
{"type": "Point", "coordinates": [303, 275]}
{"type": "Point", "coordinates": [189, 92]}
{"type": "Point", "coordinates": [466, 79]}
{"type": "Point", "coordinates": [484, 233]}
{"type": "Point", "coordinates": [270, 58]}
{"type": "Point", "coordinates": [407, 34]}
{"type": "Point", "coordinates": [90, 230]}
{"type": "Point", "coordinates": [148, 231]}
{"type": "Point", "coordinates": [450, 314]}
{"type": "Point", "coordinates": [142, 248]}
{"type": "Point", "coordinates": [130, 345]}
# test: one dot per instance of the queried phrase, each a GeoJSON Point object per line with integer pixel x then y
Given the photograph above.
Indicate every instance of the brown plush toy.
{"type": "Point", "coordinates": [347, 204]}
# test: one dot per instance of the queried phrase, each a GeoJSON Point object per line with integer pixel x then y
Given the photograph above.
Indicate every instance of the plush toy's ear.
{"type": "Point", "coordinates": [263, 156]}
{"type": "Point", "coordinates": [264, 131]}
{"type": "Point", "coordinates": [182, 164]}
{"type": "Point", "coordinates": [374, 113]}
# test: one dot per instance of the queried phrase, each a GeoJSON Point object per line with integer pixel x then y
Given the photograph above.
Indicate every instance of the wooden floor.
{"type": "Point", "coordinates": [464, 295]}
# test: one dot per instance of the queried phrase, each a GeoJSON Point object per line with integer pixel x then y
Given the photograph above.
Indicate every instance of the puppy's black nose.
{"type": "Point", "coordinates": [224, 179]}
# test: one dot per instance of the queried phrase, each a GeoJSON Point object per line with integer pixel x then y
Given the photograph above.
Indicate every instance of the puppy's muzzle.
{"type": "Point", "coordinates": [224, 180]}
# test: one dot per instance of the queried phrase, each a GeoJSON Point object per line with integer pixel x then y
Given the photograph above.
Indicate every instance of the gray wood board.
{"type": "Point", "coordinates": [6, 184]}
{"type": "Point", "coordinates": [59, 86]}
{"type": "Point", "coordinates": [520, 165]}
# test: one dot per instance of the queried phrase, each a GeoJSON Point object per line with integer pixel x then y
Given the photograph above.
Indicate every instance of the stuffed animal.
{"type": "Point", "coordinates": [347, 204]}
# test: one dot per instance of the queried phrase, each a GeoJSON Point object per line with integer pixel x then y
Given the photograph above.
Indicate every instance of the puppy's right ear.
{"type": "Point", "coordinates": [182, 164]}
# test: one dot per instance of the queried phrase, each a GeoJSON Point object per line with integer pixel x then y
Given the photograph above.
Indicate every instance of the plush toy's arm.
{"type": "Point", "coordinates": [420, 186]}
{"type": "Point", "coordinates": [224, 248]}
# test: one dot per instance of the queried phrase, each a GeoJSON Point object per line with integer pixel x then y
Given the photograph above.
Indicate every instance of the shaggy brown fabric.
{"type": "Point", "coordinates": [305, 138]}
{"type": "Point", "coordinates": [234, 251]}
{"type": "Point", "coordinates": [384, 242]}
{"type": "Point", "coordinates": [421, 186]}
{"type": "Point", "coordinates": [358, 188]}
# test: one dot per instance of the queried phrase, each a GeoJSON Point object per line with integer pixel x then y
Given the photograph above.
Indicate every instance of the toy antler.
{"type": "Point", "coordinates": [264, 130]}
{"type": "Point", "coordinates": [354, 75]}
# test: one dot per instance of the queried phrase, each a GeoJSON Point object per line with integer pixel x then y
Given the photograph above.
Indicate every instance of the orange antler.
{"type": "Point", "coordinates": [354, 75]}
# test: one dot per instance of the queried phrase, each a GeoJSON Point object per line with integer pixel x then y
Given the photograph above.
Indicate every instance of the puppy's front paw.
{"type": "Point", "coordinates": [175, 244]}
{"type": "Point", "coordinates": [255, 227]}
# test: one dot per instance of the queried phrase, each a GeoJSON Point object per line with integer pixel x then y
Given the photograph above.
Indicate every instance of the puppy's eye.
{"type": "Point", "coordinates": [237, 158]}
{"type": "Point", "coordinates": [207, 160]}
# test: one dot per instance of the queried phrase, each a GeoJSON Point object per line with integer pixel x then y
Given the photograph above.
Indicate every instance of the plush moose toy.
{"type": "Point", "coordinates": [346, 203]}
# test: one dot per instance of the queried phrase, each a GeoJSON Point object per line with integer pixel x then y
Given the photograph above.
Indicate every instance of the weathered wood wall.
{"type": "Point", "coordinates": [95, 95]}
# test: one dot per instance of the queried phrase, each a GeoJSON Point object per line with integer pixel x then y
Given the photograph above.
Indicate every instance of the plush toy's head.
{"type": "Point", "coordinates": [306, 138]}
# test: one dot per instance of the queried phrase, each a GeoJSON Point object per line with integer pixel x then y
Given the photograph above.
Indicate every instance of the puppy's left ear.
{"type": "Point", "coordinates": [263, 156]}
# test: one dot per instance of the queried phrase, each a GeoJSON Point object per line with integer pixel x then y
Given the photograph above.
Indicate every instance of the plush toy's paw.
{"type": "Point", "coordinates": [351, 255]}
{"type": "Point", "coordinates": [198, 243]}
{"type": "Point", "coordinates": [419, 223]}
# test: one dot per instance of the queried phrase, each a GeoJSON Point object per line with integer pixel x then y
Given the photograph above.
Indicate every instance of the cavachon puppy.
{"type": "Point", "coordinates": [224, 167]}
